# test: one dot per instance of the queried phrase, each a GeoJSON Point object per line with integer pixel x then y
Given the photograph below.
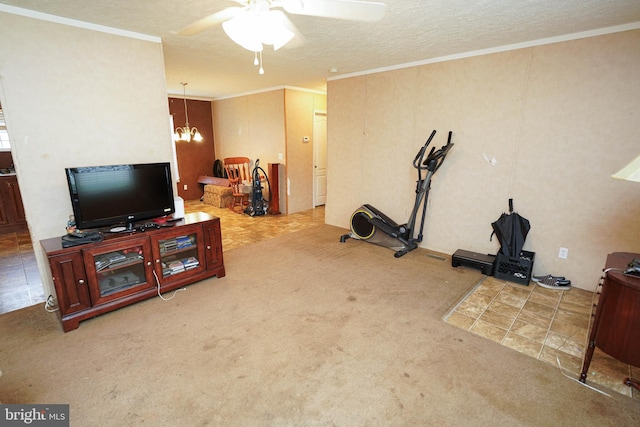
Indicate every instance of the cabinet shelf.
{"type": "Point", "coordinates": [118, 283]}
{"type": "Point", "coordinates": [123, 269]}
{"type": "Point", "coordinates": [177, 251]}
{"type": "Point", "coordinates": [103, 265]}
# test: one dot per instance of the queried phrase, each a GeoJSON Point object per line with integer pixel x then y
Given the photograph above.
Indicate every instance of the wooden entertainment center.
{"type": "Point", "coordinates": [128, 267]}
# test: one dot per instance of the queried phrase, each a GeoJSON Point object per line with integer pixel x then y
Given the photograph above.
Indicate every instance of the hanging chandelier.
{"type": "Point", "coordinates": [186, 133]}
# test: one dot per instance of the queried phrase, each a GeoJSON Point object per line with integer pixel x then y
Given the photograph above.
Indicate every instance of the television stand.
{"type": "Point", "coordinates": [128, 267]}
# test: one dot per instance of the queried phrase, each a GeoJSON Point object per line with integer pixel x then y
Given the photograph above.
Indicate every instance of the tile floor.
{"type": "Point", "coordinates": [20, 284]}
{"type": "Point", "coordinates": [548, 325]}
{"type": "Point", "coordinates": [239, 229]}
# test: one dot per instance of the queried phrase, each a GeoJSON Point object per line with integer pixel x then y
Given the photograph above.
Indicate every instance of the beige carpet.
{"type": "Point", "coordinates": [303, 330]}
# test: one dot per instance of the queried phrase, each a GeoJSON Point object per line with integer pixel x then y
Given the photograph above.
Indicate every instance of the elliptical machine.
{"type": "Point", "coordinates": [373, 226]}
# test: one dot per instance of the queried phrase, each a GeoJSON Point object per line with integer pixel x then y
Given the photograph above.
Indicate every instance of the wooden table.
{"type": "Point", "coordinates": [616, 327]}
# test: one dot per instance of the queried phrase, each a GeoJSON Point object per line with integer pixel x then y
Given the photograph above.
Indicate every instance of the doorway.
{"type": "Point", "coordinates": [319, 158]}
{"type": "Point", "coordinates": [20, 282]}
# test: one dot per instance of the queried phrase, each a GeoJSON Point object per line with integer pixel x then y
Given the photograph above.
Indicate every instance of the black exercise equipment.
{"type": "Point", "coordinates": [259, 205]}
{"type": "Point", "coordinates": [373, 226]}
{"type": "Point", "coordinates": [483, 262]}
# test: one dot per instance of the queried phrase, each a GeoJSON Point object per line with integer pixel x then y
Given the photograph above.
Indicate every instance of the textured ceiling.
{"type": "Point", "coordinates": [411, 31]}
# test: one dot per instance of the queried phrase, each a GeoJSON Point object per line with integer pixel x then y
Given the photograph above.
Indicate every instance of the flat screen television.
{"type": "Point", "coordinates": [120, 195]}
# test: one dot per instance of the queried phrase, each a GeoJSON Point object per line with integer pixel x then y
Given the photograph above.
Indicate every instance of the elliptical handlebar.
{"type": "Point", "coordinates": [436, 157]}
{"type": "Point", "coordinates": [417, 162]}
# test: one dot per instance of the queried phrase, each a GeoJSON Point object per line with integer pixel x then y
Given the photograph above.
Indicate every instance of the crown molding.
{"type": "Point", "coordinates": [78, 24]}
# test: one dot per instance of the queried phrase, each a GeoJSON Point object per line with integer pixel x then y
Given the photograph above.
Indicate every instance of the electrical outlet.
{"type": "Point", "coordinates": [563, 253]}
{"type": "Point", "coordinates": [185, 187]}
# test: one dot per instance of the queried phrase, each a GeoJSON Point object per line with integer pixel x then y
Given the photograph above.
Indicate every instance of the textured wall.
{"type": "Point", "coordinates": [76, 97]}
{"type": "Point", "coordinates": [250, 126]}
{"type": "Point", "coordinates": [559, 119]}
{"type": "Point", "coordinates": [299, 115]}
{"type": "Point", "coordinates": [264, 125]}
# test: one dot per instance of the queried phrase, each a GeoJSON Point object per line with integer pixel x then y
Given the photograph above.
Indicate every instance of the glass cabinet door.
{"type": "Point", "coordinates": [119, 270]}
{"type": "Point", "coordinates": [179, 252]}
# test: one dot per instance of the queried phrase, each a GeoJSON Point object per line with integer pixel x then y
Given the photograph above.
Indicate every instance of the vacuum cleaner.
{"type": "Point", "coordinates": [259, 205]}
{"type": "Point", "coordinates": [373, 226]}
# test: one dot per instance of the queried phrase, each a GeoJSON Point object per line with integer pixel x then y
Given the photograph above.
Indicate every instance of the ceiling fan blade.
{"type": "Point", "coordinates": [298, 39]}
{"type": "Point", "coordinates": [209, 21]}
{"type": "Point", "coordinates": [352, 10]}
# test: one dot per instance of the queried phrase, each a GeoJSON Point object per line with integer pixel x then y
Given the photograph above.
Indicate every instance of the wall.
{"type": "Point", "coordinates": [299, 108]}
{"type": "Point", "coordinates": [269, 124]}
{"type": "Point", "coordinates": [194, 158]}
{"type": "Point", "coordinates": [250, 126]}
{"type": "Point", "coordinates": [559, 119]}
{"type": "Point", "coordinates": [75, 97]}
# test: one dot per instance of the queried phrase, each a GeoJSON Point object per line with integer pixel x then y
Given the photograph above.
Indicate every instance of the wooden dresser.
{"type": "Point", "coordinates": [616, 326]}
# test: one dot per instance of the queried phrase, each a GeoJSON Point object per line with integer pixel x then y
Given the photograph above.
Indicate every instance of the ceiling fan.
{"type": "Point", "coordinates": [256, 23]}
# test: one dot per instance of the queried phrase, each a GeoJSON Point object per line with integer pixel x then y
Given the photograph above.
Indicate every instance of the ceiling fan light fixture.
{"type": "Point", "coordinates": [273, 29]}
{"type": "Point", "coordinates": [252, 30]}
{"type": "Point", "coordinates": [254, 24]}
{"type": "Point", "coordinates": [241, 30]}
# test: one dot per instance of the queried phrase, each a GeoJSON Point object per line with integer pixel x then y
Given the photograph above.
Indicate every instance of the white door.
{"type": "Point", "coordinates": [319, 158]}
